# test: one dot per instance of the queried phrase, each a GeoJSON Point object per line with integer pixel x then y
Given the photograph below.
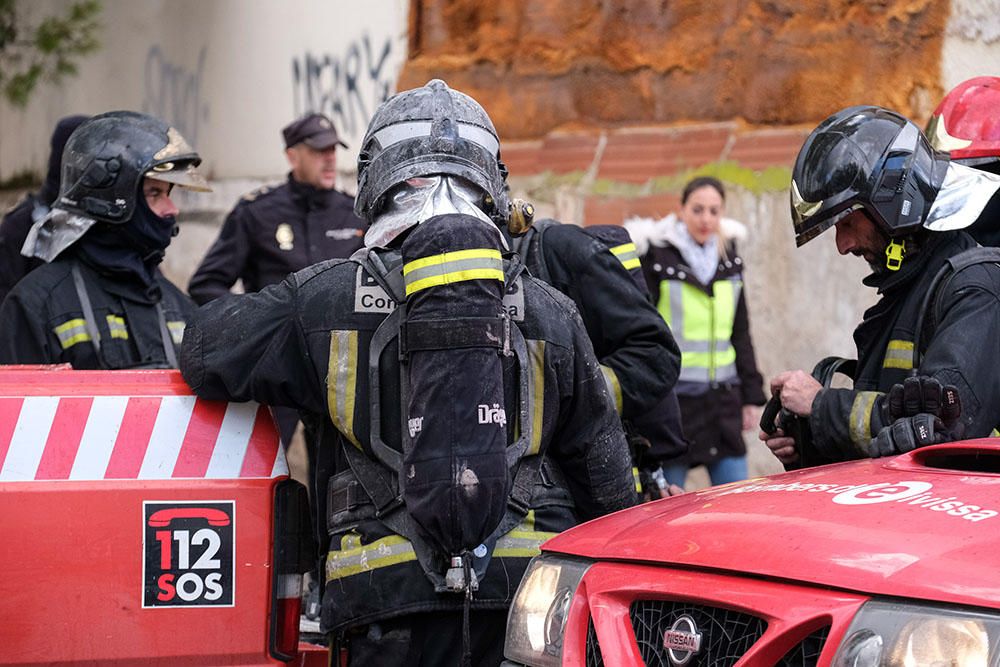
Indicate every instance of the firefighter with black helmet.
{"type": "Point", "coordinates": [901, 205]}
{"type": "Point", "coordinates": [101, 302]}
{"type": "Point", "coordinates": [464, 415]}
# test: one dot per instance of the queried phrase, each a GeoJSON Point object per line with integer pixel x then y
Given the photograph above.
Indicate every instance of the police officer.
{"type": "Point", "coordinates": [15, 225]}
{"type": "Point", "coordinates": [430, 157]}
{"type": "Point", "coordinates": [275, 231]}
{"type": "Point", "coordinates": [597, 267]}
{"type": "Point", "coordinates": [101, 301]}
{"type": "Point", "coordinates": [900, 205]}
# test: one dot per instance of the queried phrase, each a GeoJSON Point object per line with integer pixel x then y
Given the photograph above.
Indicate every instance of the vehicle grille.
{"type": "Point", "coordinates": [594, 657]}
{"type": "Point", "coordinates": [806, 652]}
{"type": "Point", "coordinates": [725, 635]}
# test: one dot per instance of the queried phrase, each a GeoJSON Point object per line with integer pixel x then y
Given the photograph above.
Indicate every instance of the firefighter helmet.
{"type": "Point", "coordinates": [107, 157]}
{"type": "Point", "coordinates": [967, 124]}
{"type": "Point", "coordinates": [865, 157]}
{"type": "Point", "coordinates": [428, 131]}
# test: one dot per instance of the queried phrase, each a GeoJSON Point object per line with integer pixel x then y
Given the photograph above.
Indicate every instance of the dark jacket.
{"type": "Point", "coordinates": [275, 231]}
{"type": "Point", "coordinates": [13, 231]}
{"type": "Point", "coordinates": [631, 340]}
{"type": "Point", "coordinates": [304, 343]}
{"type": "Point", "coordinates": [629, 336]}
{"type": "Point", "coordinates": [711, 412]}
{"type": "Point", "coordinates": [43, 320]}
{"type": "Point", "coordinates": [962, 349]}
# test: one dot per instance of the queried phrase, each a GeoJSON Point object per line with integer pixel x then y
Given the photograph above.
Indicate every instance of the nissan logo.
{"type": "Point", "coordinates": [682, 640]}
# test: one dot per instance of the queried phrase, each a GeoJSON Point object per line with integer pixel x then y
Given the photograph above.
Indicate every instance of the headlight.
{"type": "Point", "coordinates": [538, 616]}
{"type": "Point", "coordinates": [893, 634]}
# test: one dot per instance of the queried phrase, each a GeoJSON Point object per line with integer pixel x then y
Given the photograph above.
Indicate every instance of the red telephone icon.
{"type": "Point", "coordinates": [162, 518]}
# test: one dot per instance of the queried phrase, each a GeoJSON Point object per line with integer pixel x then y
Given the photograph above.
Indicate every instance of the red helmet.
{"type": "Point", "coordinates": [967, 122]}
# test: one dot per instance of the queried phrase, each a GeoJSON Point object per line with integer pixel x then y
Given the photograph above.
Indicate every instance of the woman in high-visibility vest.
{"type": "Point", "coordinates": [696, 279]}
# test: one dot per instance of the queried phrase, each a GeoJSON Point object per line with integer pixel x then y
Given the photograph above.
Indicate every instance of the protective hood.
{"type": "Point", "coordinates": [54, 233]}
{"type": "Point", "coordinates": [962, 198]}
{"type": "Point", "coordinates": [422, 198]}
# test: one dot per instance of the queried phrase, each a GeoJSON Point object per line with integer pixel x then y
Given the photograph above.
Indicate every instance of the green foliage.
{"type": "Point", "coordinates": [21, 180]}
{"type": "Point", "coordinates": [47, 51]}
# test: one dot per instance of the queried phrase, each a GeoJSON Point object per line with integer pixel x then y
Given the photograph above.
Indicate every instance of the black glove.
{"type": "Point", "coordinates": [905, 435]}
{"type": "Point", "coordinates": [923, 394]}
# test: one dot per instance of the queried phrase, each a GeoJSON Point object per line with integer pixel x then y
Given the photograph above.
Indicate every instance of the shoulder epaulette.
{"type": "Point", "coordinates": [258, 192]}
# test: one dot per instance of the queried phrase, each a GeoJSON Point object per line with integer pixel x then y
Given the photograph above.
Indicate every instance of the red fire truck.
{"type": "Point", "coordinates": [142, 525]}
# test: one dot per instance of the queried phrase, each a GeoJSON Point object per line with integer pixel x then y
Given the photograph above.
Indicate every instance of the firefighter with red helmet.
{"type": "Point", "coordinates": [902, 206]}
{"type": "Point", "coordinates": [966, 125]}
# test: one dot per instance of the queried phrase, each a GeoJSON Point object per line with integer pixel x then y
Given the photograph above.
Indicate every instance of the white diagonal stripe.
{"type": "Point", "coordinates": [167, 437]}
{"type": "Point", "coordinates": [280, 463]}
{"type": "Point", "coordinates": [231, 446]}
{"type": "Point", "coordinates": [30, 436]}
{"type": "Point", "coordinates": [99, 437]}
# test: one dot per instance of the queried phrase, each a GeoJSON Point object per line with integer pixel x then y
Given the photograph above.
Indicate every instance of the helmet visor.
{"type": "Point", "coordinates": [182, 174]}
{"type": "Point", "coordinates": [828, 179]}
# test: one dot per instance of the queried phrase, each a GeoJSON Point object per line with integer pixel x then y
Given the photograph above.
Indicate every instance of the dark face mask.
{"type": "Point", "coordinates": [134, 248]}
{"type": "Point", "coordinates": [149, 233]}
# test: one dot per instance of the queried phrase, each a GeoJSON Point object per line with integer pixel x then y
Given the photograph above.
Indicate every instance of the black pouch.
{"type": "Point", "coordinates": [455, 477]}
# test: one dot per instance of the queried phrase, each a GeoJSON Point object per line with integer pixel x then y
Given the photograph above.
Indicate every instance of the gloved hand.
{"type": "Point", "coordinates": [923, 394]}
{"type": "Point", "coordinates": [906, 434]}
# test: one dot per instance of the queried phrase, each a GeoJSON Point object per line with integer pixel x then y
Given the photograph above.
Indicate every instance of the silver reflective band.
{"type": "Point", "coordinates": [964, 194]}
{"type": "Point", "coordinates": [397, 132]}
{"type": "Point", "coordinates": [422, 198]}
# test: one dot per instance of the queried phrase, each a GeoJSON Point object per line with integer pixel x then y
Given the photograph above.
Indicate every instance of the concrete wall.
{"type": "Point", "coordinates": [227, 73]}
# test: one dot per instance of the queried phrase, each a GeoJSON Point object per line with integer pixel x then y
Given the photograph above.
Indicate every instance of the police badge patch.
{"type": "Point", "coordinates": [284, 236]}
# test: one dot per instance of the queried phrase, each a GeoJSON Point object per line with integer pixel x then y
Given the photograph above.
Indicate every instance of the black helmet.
{"type": "Point", "coordinates": [107, 157]}
{"type": "Point", "coordinates": [427, 131]}
{"type": "Point", "coordinates": [865, 157]}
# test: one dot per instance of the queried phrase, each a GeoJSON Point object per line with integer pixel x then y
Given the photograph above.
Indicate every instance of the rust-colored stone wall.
{"type": "Point", "coordinates": [540, 65]}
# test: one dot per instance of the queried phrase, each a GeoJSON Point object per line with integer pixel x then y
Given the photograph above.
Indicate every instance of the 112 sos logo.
{"type": "Point", "coordinates": [188, 554]}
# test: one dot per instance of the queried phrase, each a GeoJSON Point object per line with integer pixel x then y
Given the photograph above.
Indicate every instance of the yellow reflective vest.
{"type": "Point", "coordinates": [702, 323]}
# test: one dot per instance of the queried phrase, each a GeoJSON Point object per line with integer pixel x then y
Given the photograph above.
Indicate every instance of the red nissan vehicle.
{"type": "Point", "coordinates": [875, 563]}
{"type": "Point", "coordinates": [140, 525]}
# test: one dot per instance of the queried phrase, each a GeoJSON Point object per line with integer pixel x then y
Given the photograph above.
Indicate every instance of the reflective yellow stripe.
{"type": "Point", "coordinates": [627, 255]}
{"type": "Point", "coordinates": [523, 541]}
{"type": "Point", "coordinates": [454, 277]}
{"type": "Point", "coordinates": [635, 478]}
{"type": "Point", "coordinates": [354, 558]}
{"type": "Point", "coordinates": [453, 267]}
{"type": "Point", "coordinates": [536, 361]}
{"type": "Point", "coordinates": [861, 419]}
{"type": "Point", "coordinates": [73, 340]}
{"type": "Point", "coordinates": [71, 332]}
{"type": "Point", "coordinates": [898, 354]}
{"type": "Point", "coordinates": [341, 382]}
{"type": "Point", "coordinates": [70, 324]}
{"type": "Point", "coordinates": [116, 325]}
{"type": "Point", "coordinates": [614, 387]}
{"type": "Point", "coordinates": [458, 255]}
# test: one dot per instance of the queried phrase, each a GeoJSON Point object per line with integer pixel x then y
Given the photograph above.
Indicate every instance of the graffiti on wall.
{"type": "Point", "coordinates": [174, 92]}
{"type": "Point", "coordinates": [346, 88]}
